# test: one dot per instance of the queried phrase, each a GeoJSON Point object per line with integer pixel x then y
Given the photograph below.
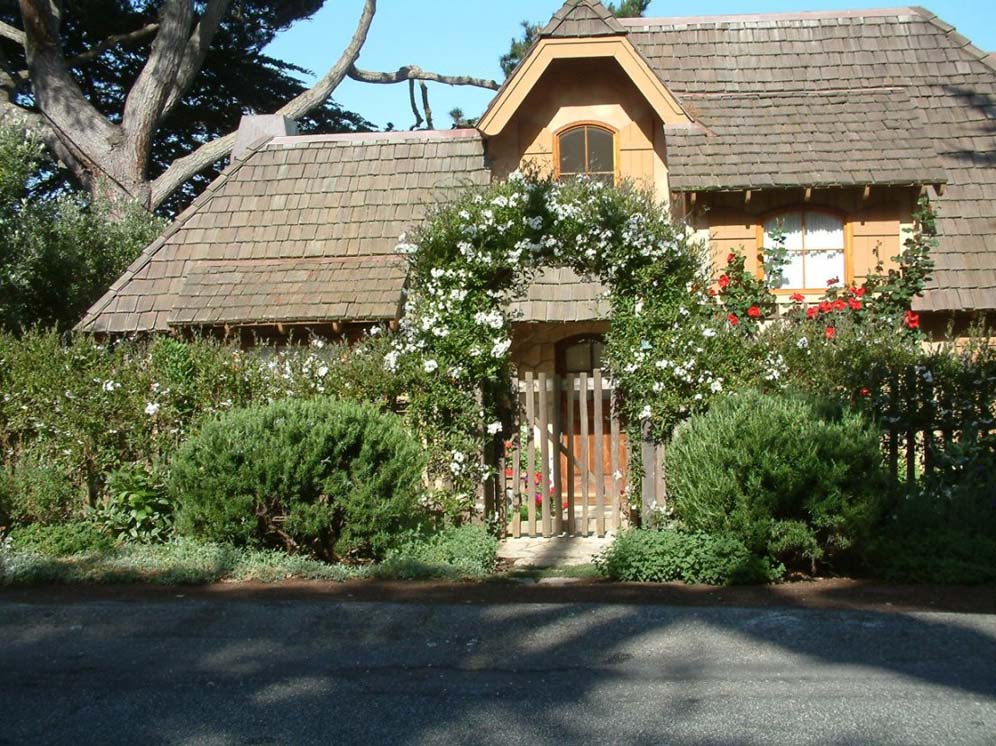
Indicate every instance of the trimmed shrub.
{"type": "Point", "coordinates": [38, 490]}
{"type": "Point", "coordinates": [75, 537]}
{"type": "Point", "coordinates": [643, 555]}
{"type": "Point", "coordinates": [794, 478]}
{"type": "Point", "coordinates": [461, 551]}
{"type": "Point", "coordinates": [325, 477]}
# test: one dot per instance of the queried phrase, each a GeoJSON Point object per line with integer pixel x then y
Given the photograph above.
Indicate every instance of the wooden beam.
{"type": "Point", "coordinates": [337, 327]}
{"type": "Point", "coordinates": [808, 195]}
{"type": "Point", "coordinates": [867, 192]}
{"type": "Point", "coordinates": [939, 189]}
{"type": "Point", "coordinates": [747, 196]}
{"type": "Point", "coordinates": [394, 325]}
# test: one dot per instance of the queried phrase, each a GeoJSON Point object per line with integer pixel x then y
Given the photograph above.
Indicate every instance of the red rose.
{"type": "Point", "coordinates": [508, 473]}
{"type": "Point", "coordinates": [825, 307]}
{"type": "Point", "coordinates": [796, 298]}
{"type": "Point", "coordinates": [855, 304]}
{"type": "Point", "coordinates": [839, 304]}
{"type": "Point", "coordinates": [754, 312]}
{"type": "Point", "coordinates": [830, 332]}
{"type": "Point", "coordinates": [730, 258]}
{"type": "Point", "coordinates": [865, 391]}
{"type": "Point", "coordinates": [811, 312]}
{"type": "Point", "coordinates": [539, 477]}
{"type": "Point", "coordinates": [733, 319]}
{"type": "Point", "coordinates": [912, 320]}
{"type": "Point", "coordinates": [833, 281]}
{"type": "Point", "coordinates": [860, 292]}
{"type": "Point", "coordinates": [724, 281]}
{"type": "Point", "coordinates": [712, 292]}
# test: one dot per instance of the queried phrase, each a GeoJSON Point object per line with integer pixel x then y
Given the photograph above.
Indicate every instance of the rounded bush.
{"type": "Point", "coordinates": [320, 476]}
{"type": "Point", "coordinates": [648, 556]}
{"type": "Point", "coordinates": [795, 479]}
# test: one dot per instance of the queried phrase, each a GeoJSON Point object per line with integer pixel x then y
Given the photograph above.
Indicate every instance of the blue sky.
{"type": "Point", "coordinates": [468, 37]}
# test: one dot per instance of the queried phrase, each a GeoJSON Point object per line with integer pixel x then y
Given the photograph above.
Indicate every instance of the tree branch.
{"type": "Point", "coordinates": [132, 37]}
{"type": "Point", "coordinates": [414, 105]}
{"type": "Point", "coordinates": [14, 34]}
{"type": "Point", "coordinates": [147, 97]}
{"type": "Point", "coordinates": [318, 93]}
{"type": "Point", "coordinates": [183, 168]}
{"type": "Point", "coordinates": [197, 50]}
{"type": "Point", "coordinates": [413, 72]}
{"type": "Point", "coordinates": [58, 95]}
{"type": "Point", "coordinates": [425, 105]}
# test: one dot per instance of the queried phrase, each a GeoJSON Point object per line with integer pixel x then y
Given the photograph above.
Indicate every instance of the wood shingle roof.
{"type": "Point", "coordinates": [717, 63]}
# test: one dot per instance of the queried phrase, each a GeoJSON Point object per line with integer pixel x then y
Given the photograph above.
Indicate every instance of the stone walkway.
{"type": "Point", "coordinates": [554, 552]}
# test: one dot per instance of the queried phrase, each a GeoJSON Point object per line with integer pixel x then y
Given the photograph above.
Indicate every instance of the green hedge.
{"type": "Point", "coordinates": [325, 477]}
{"type": "Point", "coordinates": [797, 480]}
{"type": "Point", "coordinates": [643, 555]}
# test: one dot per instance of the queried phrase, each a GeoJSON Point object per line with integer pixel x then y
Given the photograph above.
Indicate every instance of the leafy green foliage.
{"type": "Point", "coordinates": [643, 555]}
{"type": "Point", "coordinates": [136, 508]}
{"type": "Point", "coordinates": [944, 529]}
{"type": "Point", "coordinates": [76, 537]}
{"type": "Point", "coordinates": [179, 562]}
{"type": "Point", "coordinates": [797, 480]}
{"type": "Point", "coordinates": [76, 411]}
{"type": "Point", "coordinates": [456, 551]}
{"type": "Point", "coordinates": [39, 490]}
{"type": "Point", "coordinates": [57, 256]}
{"type": "Point", "coordinates": [321, 477]}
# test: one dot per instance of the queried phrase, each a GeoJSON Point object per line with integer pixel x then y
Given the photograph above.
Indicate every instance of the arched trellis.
{"type": "Point", "coordinates": [473, 257]}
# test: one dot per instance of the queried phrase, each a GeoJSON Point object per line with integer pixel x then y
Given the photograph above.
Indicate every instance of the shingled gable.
{"type": "Point", "coordinates": [303, 229]}
{"type": "Point", "coordinates": [774, 89]}
{"type": "Point", "coordinates": [582, 18]}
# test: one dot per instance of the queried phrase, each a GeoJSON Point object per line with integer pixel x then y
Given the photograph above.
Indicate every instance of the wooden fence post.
{"type": "Point", "coordinates": [649, 484]}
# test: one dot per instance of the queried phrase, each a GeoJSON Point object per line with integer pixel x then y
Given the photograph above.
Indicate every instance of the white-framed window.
{"type": "Point", "coordinates": [815, 246]}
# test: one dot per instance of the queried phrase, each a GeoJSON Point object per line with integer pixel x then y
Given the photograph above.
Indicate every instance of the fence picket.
{"type": "Point", "coordinates": [530, 454]}
{"type": "Point", "coordinates": [599, 460]}
{"type": "Point", "coordinates": [556, 438]}
{"type": "Point", "coordinates": [544, 427]}
{"type": "Point", "coordinates": [585, 456]}
{"type": "Point", "coordinates": [616, 521]}
{"type": "Point", "coordinates": [571, 443]}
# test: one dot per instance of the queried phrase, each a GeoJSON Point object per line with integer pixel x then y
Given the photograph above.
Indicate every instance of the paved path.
{"type": "Point", "coordinates": [559, 551]}
{"type": "Point", "coordinates": [197, 671]}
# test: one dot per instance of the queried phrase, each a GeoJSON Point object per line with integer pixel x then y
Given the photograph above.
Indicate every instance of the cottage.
{"type": "Point", "coordinates": [828, 125]}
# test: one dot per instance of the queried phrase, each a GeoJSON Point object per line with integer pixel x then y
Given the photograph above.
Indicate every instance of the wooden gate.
{"type": "Point", "coordinates": [566, 473]}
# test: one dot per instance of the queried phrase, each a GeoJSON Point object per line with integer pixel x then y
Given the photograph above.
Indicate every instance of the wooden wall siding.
{"type": "Point", "coordinates": [729, 223]}
{"type": "Point", "coordinates": [593, 91]}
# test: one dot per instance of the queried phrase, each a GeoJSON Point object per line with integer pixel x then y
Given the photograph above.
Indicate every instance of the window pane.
{"type": "Point", "coordinates": [577, 358]}
{"type": "Point", "coordinates": [824, 231]}
{"type": "Point", "coordinates": [572, 152]}
{"type": "Point", "coordinates": [823, 266]}
{"type": "Point", "coordinates": [792, 271]}
{"type": "Point", "coordinates": [607, 179]}
{"type": "Point", "coordinates": [790, 225]}
{"type": "Point", "coordinates": [601, 151]}
{"type": "Point", "coordinates": [596, 354]}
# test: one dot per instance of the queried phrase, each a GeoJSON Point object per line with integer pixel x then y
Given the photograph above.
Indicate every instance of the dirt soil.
{"type": "Point", "coordinates": [836, 593]}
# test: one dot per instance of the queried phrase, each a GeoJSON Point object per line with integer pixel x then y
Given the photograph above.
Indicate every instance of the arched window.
{"type": "Point", "coordinates": [587, 150]}
{"type": "Point", "coordinates": [815, 243]}
{"type": "Point", "coordinates": [579, 354]}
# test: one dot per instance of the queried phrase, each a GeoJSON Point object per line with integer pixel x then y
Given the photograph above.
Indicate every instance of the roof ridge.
{"type": "Point", "coordinates": [783, 16]}
{"type": "Point", "coordinates": [372, 137]}
{"type": "Point", "coordinates": [961, 41]}
{"type": "Point", "coordinates": [153, 248]}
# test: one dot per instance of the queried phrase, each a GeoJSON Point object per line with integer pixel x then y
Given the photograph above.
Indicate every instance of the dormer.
{"type": "Point", "coordinates": [584, 101]}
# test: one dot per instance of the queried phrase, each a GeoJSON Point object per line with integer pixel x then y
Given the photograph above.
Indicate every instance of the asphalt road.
{"type": "Point", "coordinates": [196, 671]}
